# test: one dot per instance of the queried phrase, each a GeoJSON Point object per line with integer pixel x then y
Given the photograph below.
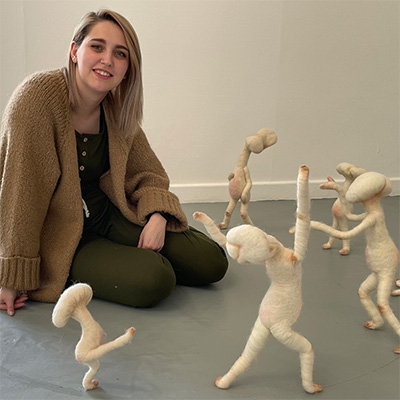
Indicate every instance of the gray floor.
{"type": "Point", "coordinates": [183, 344]}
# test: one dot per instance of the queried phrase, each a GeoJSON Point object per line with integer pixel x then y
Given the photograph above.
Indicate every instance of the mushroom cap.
{"type": "Point", "coordinates": [349, 170]}
{"type": "Point", "coordinates": [78, 295]}
{"type": "Point", "coordinates": [367, 186]}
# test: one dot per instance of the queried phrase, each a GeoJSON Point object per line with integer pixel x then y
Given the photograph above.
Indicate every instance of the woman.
{"type": "Point", "coordinates": [82, 195]}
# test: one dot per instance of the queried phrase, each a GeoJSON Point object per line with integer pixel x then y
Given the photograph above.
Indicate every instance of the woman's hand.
{"type": "Point", "coordinates": [153, 233]}
{"type": "Point", "coordinates": [10, 301]}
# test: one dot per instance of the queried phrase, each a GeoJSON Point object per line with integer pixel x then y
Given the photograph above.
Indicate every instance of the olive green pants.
{"type": "Point", "coordinates": [108, 260]}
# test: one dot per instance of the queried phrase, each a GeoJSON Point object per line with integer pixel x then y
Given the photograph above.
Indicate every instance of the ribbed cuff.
{"type": "Point", "coordinates": [166, 202]}
{"type": "Point", "coordinates": [19, 272]}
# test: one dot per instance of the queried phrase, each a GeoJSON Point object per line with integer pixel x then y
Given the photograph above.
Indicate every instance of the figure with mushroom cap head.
{"type": "Point", "coordinates": [382, 255]}
{"type": "Point", "coordinates": [72, 304]}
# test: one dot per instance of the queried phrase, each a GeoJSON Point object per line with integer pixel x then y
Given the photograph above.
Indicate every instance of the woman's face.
{"type": "Point", "coordinates": [102, 60]}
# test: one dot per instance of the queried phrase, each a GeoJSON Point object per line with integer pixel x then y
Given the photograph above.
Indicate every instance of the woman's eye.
{"type": "Point", "coordinates": [96, 47]}
{"type": "Point", "coordinates": [121, 54]}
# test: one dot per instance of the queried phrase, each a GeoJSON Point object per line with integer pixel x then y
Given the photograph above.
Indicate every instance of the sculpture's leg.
{"type": "Point", "coordinates": [88, 382]}
{"type": "Point", "coordinates": [244, 213]}
{"type": "Point", "coordinates": [228, 214]}
{"type": "Point", "coordinates": [295, 341]}
{"type": "Point", "coordinates": [396, 292]}
{"type": "Point", "coordinates": [384, 286]}
{"type": "Point", "coordinates": [345, 242]}
{"type": "Point", "coordinates": [100, 351]}
{"type": "Point", "coordinates": [255, 343]}
{"type": "Point", "coordinates": [368, 286]}
{"type": "Point", "coordinates": [331, 240]}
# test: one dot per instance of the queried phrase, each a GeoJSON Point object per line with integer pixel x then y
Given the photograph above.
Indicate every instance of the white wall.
{"type": "Point", "coordinates": [323, 74]}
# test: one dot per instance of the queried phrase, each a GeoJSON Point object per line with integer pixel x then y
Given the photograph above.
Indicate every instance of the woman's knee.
{"type": "Point", "coordinates": [197, 260]}
{"type": "Point", "coordinates": [124, 274]}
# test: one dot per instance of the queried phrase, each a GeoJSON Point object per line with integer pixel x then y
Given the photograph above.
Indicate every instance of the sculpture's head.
{"type": "Point", "coordinates": [248, 244]}
{"type": "Point", "coordinates": [349, 171]}
{"type": "Point", "coordinates": [261, 140]}
{"type": "Point", "coordinates": [75, 296]}
{"type": "Point", "coordinates": [368, 186]}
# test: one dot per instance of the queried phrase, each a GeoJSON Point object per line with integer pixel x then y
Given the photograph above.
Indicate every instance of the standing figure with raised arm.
{"type": "Point", "coordinates": [239, 180]}
{"type": "Point", "coordinates": [349, 172]}
{"type": "Point", "coordinates": [381, 253]}
{"type": "Point", "coordinates": [282, 303]}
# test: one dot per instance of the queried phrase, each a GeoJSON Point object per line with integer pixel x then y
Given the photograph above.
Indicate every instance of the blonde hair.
{"type": "Point", "coordinates": [125, 102]}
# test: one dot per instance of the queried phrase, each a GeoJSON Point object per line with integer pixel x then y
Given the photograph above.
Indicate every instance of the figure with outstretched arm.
{"type": "Point", "coordinates": [382, 255]}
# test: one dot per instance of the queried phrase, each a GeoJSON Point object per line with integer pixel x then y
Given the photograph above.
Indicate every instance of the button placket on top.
{"type": "Point", "coordinates": [84, 153]}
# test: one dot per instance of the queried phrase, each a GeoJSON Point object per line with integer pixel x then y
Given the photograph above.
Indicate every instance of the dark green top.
{"type": "Point", "coordinates": [93, 161]}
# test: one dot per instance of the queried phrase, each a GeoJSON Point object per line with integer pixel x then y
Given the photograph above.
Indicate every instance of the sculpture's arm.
{"type": "Point", "coordinates": [212, 229]}
{"type": "Point", "coordinates": [366, 223]}
{"type": "Point", "coordinates": [302, 214]}
{"type": "Point", "coordinates": [245, 197]}
{"type": "Point", "coordinates": [332, 185]}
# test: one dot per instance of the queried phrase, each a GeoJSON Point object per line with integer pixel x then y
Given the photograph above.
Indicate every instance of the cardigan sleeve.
{"type": "Point", "coordinates": [27, 181]}
{"type": "Point", "coordinates": [147, 185]}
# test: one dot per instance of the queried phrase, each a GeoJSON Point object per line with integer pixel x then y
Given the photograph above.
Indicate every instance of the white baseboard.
{"type": "Point", "coordinates": [277, 190]}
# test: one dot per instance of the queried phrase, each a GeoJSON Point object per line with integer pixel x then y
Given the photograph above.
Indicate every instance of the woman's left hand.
{"type": "Point", "coordinates": [153, 233]}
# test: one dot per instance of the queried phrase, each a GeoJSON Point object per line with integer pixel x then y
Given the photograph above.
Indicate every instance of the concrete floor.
{"type": "Point", "coordinates": [183, 344]}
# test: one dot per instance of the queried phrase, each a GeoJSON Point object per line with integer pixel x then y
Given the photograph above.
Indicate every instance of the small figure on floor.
{"type": "Point", "coordinates": [282, 303]}
{"type": "Point", "coordinates": [239, 180]}
{"type": "Point", "coordinates": [382, 255]}
{"type": "Point", "coordinates": [72, 304]}
{"type": "Point", "coordinates": [349, 172]}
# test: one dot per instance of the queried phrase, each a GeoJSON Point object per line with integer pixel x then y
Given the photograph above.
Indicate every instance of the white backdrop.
{"type": "Point", "coordinates": [323, 74]}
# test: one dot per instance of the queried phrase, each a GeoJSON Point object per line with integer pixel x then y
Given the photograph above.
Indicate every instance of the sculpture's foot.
{"type": "Point", "coordinates": [219, 383]}
{"type": "Point", "coordinates": [92, 385]}
{"type": "Point", "coordinates": [344, 252]}
{"type": "Point", "coordinates": [326, 246]}
{"type": "Point", "coordinates": [222, 226]}
{"type": "Point", "coordinates": [397, 350]}
{"type": "Point", "coordinates": [372, 325]}
{"type": "Point", "coordinates": [314, 388]}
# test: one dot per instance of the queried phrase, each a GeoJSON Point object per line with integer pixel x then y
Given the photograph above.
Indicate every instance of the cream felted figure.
{"type": "Point", "coordinates": [349, 172]}
{"type": "Point", "coordinates": [72, 303]}
{"type": "Point", "coordinates": [382, 255]}
{"type": "Point", "coordinates": [282, 303]}
{"type": "Point", "coordinates": [239, 181]}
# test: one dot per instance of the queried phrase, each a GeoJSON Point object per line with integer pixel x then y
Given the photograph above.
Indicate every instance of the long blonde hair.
{"type": "Point", "coordinates": [125, 102]}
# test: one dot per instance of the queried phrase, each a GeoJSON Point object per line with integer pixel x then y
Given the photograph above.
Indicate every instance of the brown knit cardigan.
{"type": "Point", "coordinates": [41, 216]}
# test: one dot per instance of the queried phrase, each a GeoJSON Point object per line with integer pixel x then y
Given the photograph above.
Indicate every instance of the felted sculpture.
{"type": "Point", "coordinates": [382, 255]}
{"type": "Point", "coordinates": [240, 181]}
{"type": "Point", "coordinates": [396, 292]}
{"type": "Point", "coordinates": [282, 303]}
{"type": "Point", "coordinates": [72, 303]}
{"type": "Point", "coordinates": [349, 172]}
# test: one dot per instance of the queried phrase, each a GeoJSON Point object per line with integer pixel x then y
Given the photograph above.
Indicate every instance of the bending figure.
{"type": "Point", "coordinates": [382, 255]}
{"type": "Point", "coordinates": [282, 303]}
{"type": "Point", "coordinates": [239, 181]}
{"type": "Point", "coordinates": [349, 172]}
{"type": "Point", "coordinates": [72, 303]}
